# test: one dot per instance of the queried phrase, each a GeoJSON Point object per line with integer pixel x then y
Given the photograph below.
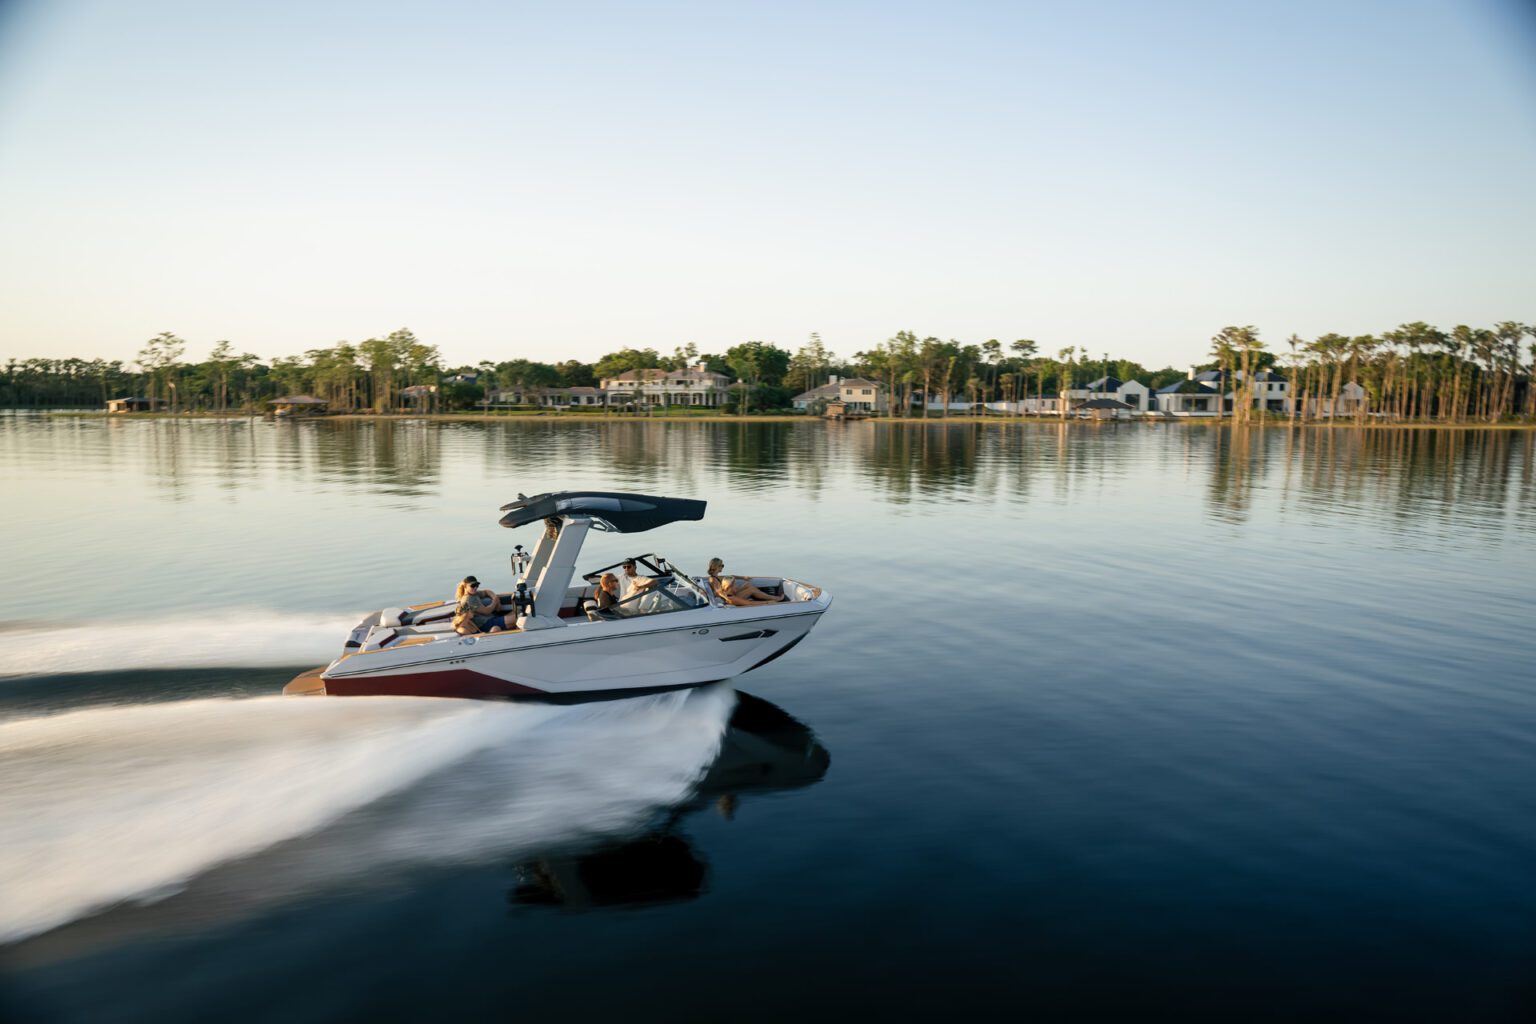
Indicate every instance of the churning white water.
{"type": "Point", "coordinates": [235, 638]}
{"type": "Point", "coordinates": [108, 805]}
{"type": "Point", "coordinates": [231, 639]}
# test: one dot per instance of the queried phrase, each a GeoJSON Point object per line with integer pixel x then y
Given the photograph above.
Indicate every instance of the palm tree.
{"type": "Point", "coordinates": [1007, 381]}
{"type": "Point", "coordinates": [1224, 351]}
{"type": "Point", "coordinates": [158, 359]}
{"type": "Point", "coordinates": [1360, 350]}
{"type": "Point", "coordinates": [931, 359]}
{"type": "Point", "coordinates": [992, 353]}
{"type": "Point", "coordinates": [1506, 335]}
{"type": "Point", "coordinates": [1064, 378]}
{"type": "Point", "coordinates": [1245, 340]}
{"type": "Point", "coordinates": [1295, 342]}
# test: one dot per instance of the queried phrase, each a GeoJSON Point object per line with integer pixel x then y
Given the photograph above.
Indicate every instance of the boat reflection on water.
{"type": "Point", "coordinates": [764, 749]}
{"type": "Point", "coordinates": [587, 800]}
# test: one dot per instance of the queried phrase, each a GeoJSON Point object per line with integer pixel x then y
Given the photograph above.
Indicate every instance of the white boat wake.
{"type": "Point", "coordinates": [110, 805]}
{"type": "Point", "coordinates": [235, 638]}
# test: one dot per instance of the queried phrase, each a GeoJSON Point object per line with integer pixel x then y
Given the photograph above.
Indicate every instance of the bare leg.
{"type": "Point", "coordinates": [744, 589]}
{"type": "Point", "coordinates": [742, 593]}
{"type": "Point", "coordinates": [747, 602]}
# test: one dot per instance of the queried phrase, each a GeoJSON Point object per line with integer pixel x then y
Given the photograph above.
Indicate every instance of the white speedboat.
{"type": "Point", "coordinates": [673, 634]}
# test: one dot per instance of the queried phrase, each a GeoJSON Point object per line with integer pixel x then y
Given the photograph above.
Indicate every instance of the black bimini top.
{"type": "Point", "coordinates": [621, 513]}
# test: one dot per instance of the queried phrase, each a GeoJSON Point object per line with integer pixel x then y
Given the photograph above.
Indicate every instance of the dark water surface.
{"type": "Point", "coordinates": [1105, 722]}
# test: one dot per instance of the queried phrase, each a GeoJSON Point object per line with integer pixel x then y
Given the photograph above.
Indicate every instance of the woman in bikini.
{"type": "Point", "coordinates": [735, 591]}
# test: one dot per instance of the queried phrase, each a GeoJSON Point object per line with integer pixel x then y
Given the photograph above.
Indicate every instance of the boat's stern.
{"type": "Point", "coordinates": [307, 684]}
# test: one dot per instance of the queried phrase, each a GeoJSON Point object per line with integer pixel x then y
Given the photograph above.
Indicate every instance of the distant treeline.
{"type": "Point", "coordinates": [1412, 372]}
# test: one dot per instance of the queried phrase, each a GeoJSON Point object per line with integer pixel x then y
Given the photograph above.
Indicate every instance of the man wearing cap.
{"type": "Point", "coordinates": [631, 583]}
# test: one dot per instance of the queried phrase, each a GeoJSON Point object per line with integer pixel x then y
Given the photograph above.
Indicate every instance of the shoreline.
{"type": "Point", "coordinates": [963, 420]}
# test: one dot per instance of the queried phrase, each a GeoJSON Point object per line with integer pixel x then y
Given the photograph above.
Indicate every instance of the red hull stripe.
{"type": "Point", "coordinates": [458, 682]}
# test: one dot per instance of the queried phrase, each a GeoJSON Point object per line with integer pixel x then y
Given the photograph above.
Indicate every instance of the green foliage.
{"type": "Point", "coordinates": [757, 362]}
{"type": "Point", "coordinates": [1414, 370]}
{"type": "Point", "coordinates": [615, 363]}
{"type": "Point", "coordinates": [810, 367]}
{"type": "Point", "coordinates": [526, 373]}
{"type": "Point", "coordinates": [576, 374]}
{"type": "Point", "coordinates": [462, 395]}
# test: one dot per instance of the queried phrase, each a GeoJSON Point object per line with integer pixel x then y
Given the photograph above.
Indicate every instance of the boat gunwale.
{"type": "Point", "coordinates": [822, 603]}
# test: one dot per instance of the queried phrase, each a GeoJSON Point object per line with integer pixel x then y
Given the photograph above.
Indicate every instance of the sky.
{"type": "Point", "coordinates": [557, 181]}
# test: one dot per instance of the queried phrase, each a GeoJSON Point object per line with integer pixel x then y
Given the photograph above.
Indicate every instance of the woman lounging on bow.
{"type": "Point", "coordinates": [735, 591]}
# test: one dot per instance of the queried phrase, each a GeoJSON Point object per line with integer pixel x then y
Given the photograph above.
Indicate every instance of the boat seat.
{"type": "Point", "coordinates": [428, 629]}
{"type": "Point", "coordinates": [594, 614]}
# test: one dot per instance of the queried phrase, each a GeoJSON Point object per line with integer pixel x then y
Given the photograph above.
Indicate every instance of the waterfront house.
{"type": "Point", "coordinates": [1102, 409]}
{"type": "Point", "coordinates": [298, 405]}
{"type": "Point", "coordinates": [939, 405]}
{"type": "Point", "coordinates": [1136, 395]}
{"type": "Point", "coordinates": [1188, 397]}
{"type": "Point", "coordinates": [692, 385]}
{"type": "Point", "coordinates": [1271, 392]}
{"type": "Point", "coordinates": [565, 398]}
{"type": "Point", "coordinates": [1105, 387]}
{"type": "Point", "coordinates": [418, 393]}
{"type": "Point", "coordinates": [1111, 388]}
{"type": "Point", "coordinates": [859, 396]}
{"type": "Point", "coordinates": [134, 403]}
{"type": "Point", "coordinates": [862, 396]}
{"type": "Point", "coordinates": [503, 398]}
{"type": "Point", "coordinates": [1032, 405]}
{"type": "Point", "coordinates": [1352, 401]}
{"type": "Point", "coordinates": [1268, 390]}
{"type": "Point", "coordinates": [546, 398]}
{"type": "Point", "coordinates": [817, 398]}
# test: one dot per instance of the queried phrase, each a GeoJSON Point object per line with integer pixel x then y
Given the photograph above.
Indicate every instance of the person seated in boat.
{"type": "Point", "coordinates": [477, 609]}
{"type": "Point", "coordinates": [608, 596]}
{"type": "Point", "coordinates": [736, 591]}
{"type": "Point", "coordinates": [632, 583]}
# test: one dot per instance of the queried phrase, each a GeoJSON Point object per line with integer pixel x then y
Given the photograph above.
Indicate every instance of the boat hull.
{"type": "Point", "coordinates": [645, 653]}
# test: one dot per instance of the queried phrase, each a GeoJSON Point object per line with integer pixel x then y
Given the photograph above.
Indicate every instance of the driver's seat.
{"type": "Point", "coordinates": [594, 614]}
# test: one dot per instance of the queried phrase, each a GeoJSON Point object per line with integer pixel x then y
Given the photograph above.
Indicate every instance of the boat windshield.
{"type": "Point", "coordinates": [670, 593]}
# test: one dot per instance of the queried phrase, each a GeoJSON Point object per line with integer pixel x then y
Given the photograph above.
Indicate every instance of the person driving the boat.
{"type": "Point", "coordinates": [632, 583]}
{"type": "Point", "coordinates": [736, 591]}
{"type": "Point", "coordinates": [477, 609]}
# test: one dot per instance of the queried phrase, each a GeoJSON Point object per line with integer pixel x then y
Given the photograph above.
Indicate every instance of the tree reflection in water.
{"type": "Point", "coordinates": [1416, 471]}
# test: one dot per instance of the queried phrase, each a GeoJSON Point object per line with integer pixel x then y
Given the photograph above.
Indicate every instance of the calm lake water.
{"type": "Point", "coordinates": [1105, 722]}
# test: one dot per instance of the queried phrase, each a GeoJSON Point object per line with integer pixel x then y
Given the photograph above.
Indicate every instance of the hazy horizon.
{"type": "Point", "coordinates": [559, 183]}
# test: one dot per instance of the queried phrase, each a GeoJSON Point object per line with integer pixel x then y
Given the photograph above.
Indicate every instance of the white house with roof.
{"type": "Point", "coordinates": [1102, 409]}
{"type": "Point", "coordinates": [692, 385]}
{"type": "Point", "coordinates": [546, 398]}
{"type": "Point", "coordinates": [1271, 392]}
{"type": "Point", "coordinates": [1352, 401]}
{"type": "Point", "coordinates": [1036, 405]}
{"type": "Point", "coordinates": [565, 398]}
{"type": "Point", "coordinates": [817, 397]}
{"type": "Point", "coordinates": [1107, 386]}
{"type": "Point", "coordinates": [1136, 395]}
{"type": "Point", "coordinates": [857, 394]}
{"type": "Point", "coordinates": [1189, 397]}
{"type": "Point", "coordinates": [1110, 388]}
